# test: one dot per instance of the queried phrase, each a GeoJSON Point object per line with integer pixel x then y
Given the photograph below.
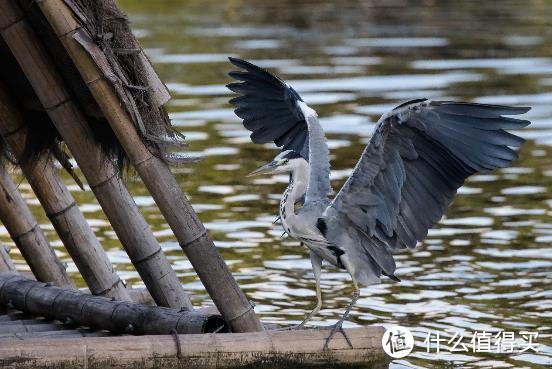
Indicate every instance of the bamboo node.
{"type": "Point", "coordinates": [194, 239]}
{"type": "Point", "coordinates": [143, 161]}
{"type": "Point", "coordinates": [58, 104]}
{"type": "Point", "coordinates": [52, 216]}
{"type": "Point", "coordinates": [18, 236]}
{"type": "Point", "coordinates": [142, 260]}
{"type": "Point", "coordinates": [11, 24]}
{"type": "Point", "coordinates": [92, 81]}
{"type": "Point", "coordinates": [107, 180]}
{"type": "Point", "coordinates": [8, 134]}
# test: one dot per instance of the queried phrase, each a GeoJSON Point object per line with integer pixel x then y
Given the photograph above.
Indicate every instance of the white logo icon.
{"type": "Point", "coordinates": [397, 342]}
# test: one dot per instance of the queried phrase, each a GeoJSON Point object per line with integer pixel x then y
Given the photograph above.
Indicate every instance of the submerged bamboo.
{"type": "Point", "coordinates": [101, 174]}
{"type": "Point", "coordinates": [28, 236]}
{"type": "Point", "coordinates": [61, 208]}
{"type": "Point", "coordinates": [6, 263]}
{"type": "Point", "coordinates": [76, 308]}
{"type": "Point", "coordinates": [188, 229]}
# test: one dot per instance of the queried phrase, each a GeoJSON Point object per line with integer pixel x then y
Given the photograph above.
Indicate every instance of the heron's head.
{"type": "Point", "coordinates": [285, 162]}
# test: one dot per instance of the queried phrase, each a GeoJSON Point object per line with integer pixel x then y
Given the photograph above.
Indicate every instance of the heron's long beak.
{"type": "Point", "coordinates": [265, 169]}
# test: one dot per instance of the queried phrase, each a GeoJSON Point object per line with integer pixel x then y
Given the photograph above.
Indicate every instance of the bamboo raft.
{"type": "Point", "coordinates": [74, 80]}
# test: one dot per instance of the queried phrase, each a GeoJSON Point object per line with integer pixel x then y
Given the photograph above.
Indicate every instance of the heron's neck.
{"type": "Point", "coordinates": [298, 181]}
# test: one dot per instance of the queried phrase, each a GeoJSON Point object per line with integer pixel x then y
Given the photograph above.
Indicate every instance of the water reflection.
{"type": "Point", "coordinates": [487, 264]}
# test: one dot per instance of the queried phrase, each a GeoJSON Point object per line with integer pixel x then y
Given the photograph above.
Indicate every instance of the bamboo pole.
{"type": "Point", "coordinates": [97, 312]}
{"type": "Point", "coordinates": [27, 235]}
{"type": "Point", "coordinates": [5, 338]}
{"type": "Point", "coordinates": [101, 174]}
{"type": "Point", "coordinates": [61, 208]}
{"type": "Point", "coordinates": [271, 349]}
{"type": "Point", "coordinates": [161, 183]}
{"type": "Point", "coordinates": [6, 263]}
{"type": "Point", "coordinates": [27, 326]}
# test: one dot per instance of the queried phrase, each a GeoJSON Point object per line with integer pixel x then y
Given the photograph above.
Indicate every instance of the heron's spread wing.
{"type": "Point", "coordinates": [419, 155]}
{"type": "Point", "coordinates": [268, 107]}
{"type": "Point", "coordinates": [274, 111]}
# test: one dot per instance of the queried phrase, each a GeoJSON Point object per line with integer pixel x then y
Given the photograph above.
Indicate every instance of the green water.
{"type": "Point", "coordinates": [486, 266]}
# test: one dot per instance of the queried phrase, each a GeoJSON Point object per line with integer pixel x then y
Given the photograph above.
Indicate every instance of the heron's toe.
{"type": "Point", "coordinates": [337, 327]}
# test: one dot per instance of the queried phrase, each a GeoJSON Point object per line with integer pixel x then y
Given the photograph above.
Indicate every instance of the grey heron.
{"type": "Point", "coordinates": [418, 156]}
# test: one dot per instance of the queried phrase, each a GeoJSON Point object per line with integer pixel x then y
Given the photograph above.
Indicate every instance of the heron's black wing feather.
{"type": "Point", "coordinates": [268, 107]}
{"type": "Point", "coordinates": [417, 158]}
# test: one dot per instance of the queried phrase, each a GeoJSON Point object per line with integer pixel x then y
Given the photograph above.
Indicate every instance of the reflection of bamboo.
{"type": "Point", "coordinates": [191, 234]}
{"type": "Point", "coordinates": [6, 263]}
{"type": "Point", "coordinates": [100, 313]}
{"type": "Point", "coordinates": [27, 235]}
{"type": "Point", "coordinates": [101, 174]}
{"type": "Point", "coordinates": [60, 206]}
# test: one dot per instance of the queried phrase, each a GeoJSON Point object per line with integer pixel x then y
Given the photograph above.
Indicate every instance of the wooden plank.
{"type": "Point", "coordinates": [270, 349]}
{"type": "Point", "coordinates": [100, 172]}
{"type": "Point", "coordinates": [186, 225]}
{"type": "Point", "coordinates": [60, 207]}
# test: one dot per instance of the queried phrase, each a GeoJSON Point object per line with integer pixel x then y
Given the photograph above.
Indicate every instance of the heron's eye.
{"type": "Point", "coordinates": [285, 161]}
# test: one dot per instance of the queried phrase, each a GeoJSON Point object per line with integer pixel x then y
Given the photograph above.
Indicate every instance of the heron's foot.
{"type": "Point", "coordinates": [337, 327]}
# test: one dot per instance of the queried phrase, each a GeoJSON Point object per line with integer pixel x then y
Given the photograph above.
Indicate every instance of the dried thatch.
{"type": "Point", "coordinates": [129, 70]}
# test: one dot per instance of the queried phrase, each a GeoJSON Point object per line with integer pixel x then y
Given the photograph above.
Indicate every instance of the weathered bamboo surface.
{"type": "Point", "coordinates": [47, 335]}
{"type": "Point", "coordinates": [28, 236]}
{"type": "Point", "coordinates": [192, 236]}
{"type": "Point", "coordinates": [97, 312]}
{"type": "Point", "coordinates": [6, 263]}
{"type": "Point", "coordinates": [270, 349]}
{"type": "Point", "coordinates": [60, 206]}
{"type": "Point", "coordinates": [118, 205]}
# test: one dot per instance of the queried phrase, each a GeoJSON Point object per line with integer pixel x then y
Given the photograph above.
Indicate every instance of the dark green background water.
{"type": "Point", "coordinates": [486, 266]}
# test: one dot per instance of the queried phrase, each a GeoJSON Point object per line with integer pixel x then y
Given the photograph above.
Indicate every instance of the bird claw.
{"type": "Point", "coordinates": [337, 327]}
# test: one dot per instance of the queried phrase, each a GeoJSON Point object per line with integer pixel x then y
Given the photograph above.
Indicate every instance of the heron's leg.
{"type": "Point", "coordinates": [316, 262]}
{"type": "Point", "coordinates": [339, 325]}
